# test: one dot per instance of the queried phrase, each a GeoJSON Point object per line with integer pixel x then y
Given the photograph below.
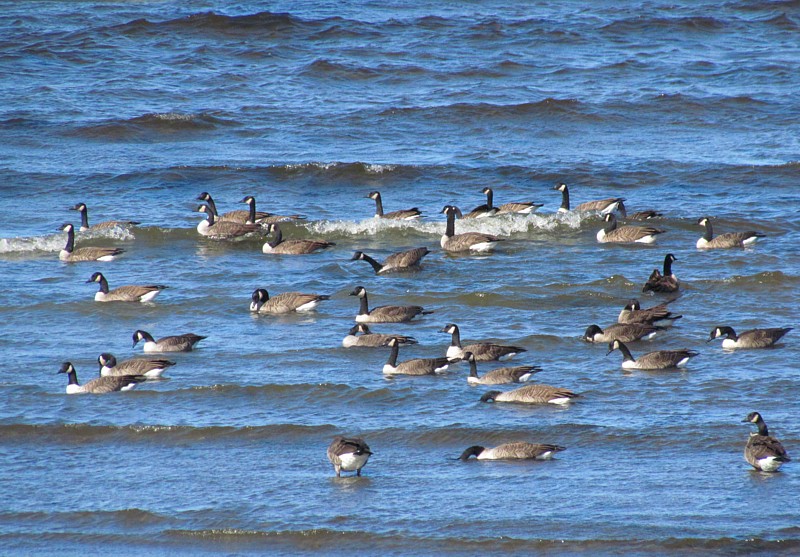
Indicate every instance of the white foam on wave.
{"type": "Point", "coordinates": [56, 242]}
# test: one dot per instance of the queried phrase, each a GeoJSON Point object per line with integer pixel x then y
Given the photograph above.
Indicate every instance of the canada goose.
{"type": "Point", "coordinates": [348, 454]}
{"type": "Point", "coordinates": [610, 233]}
{"type": "Point", "coordinates": [402, 214]}
{"type": "Point", "coordinates": [647, 214]}
{"type": "Point", "coordinates": [518, 450]}
{"type": "Point", "coordinates": [72, 255]}
{"type": "Point", "coordinates": [408, 260]}
{"type": "Point", "coordinates": [127, 293]}
{"type": "Point", "coordinates": [485, 210]}
{"type": "Point", "coordinates": [384, 314]}
{"type": "Point", "coordinates": [661, 359]}
{"type": "Point", "coordinates": [417, 366]}
{"type": "Point", "coordinates": [520, 207]}
{"type": "Point", "coordinates": [81, 207]}
{"type": "Point", "coordinates": [368, 338]}
{"type": "Point", "coordinates": [222, 229]}
{"type": "Point", "coordinates": [664, 283]}
{"type": "Point", "coordinates": [468, 241]}
{"type": "Point", "coordinates": [499, 376]}
{"type": "Point", "coordinates": [291, 247]}
{"type": "Point", "coordinates": [728, 240]}
{"type": "Point", "coordinates": [242, 216]}
{"type": "Point", "coordinates": [147, 367]}
{"type": "Point", "coordinates": [763, 452]}
{"type": "Point", "coordinates": [604, 206]}
{"type": "Point", "coordinates": [656, 315]}
{"type": "Point", "coordinates": [754, 338]}
{"type": "Point", "coordinates": [532, 394]}
{"type": "Point", "coordinates": [175, 343]}
{"type": "Point", "coordinates": [626, 332]}
{"type": "Point", "coordinates": [483, 351]}
{"type": "Point", "coordinates": [98, 385]}
{"type": "Point", "coordinates": [285, 302]}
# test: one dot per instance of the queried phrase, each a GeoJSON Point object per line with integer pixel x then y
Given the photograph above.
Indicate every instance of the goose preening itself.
{"type": "Point", "coordinates": [147, 367]}
{"type": "Point", "coordinates": [518, 450]}
{"type": "Point", "coordinates": [127, 293]}
{"type": "Point", "coordinates": [370, 339]}
{"type": "Point", "coordinates": [98, 385]}
{"type": "Point", "coordinates": [647, 214]}
{"type": "Point", "coordinates": [627, 234]}
{"type": "Point", "coordinates": [408, 260]}
{"type": "Point", "coordinates": [532, 394]}
{"type": "Point", "coordinates": [174, 343]}
{"type": "Point", "coordinates": [285, 302]}
{"type": "Point", "coordinates": [384, 314]}
{"type": "Point", "coordinates": [105, 225]}
{"type": "Point", "coordinates": [660, 359]}
{"type": "Point", "coordinates": [468, 241]}
{"type": "Point", "coordinates": [763, 452]}
{"type": "Point", "coordinates": [626, 332]}
{"type": "Point", "coordinates": [348, 454]}
{"type": "Point", "coordinates": [753, 338]}
{"type": "Point", "coordinates": [72, 255]}
{"type": "Point", "coordinates": [213, 227]}
{"type": "Point", "coordinates": [483, 351]}
{"type": "Point", "coordinates": [727, 240]}
{"type": "Point", "coordinates": [499, 376]}
{"type": "Point", "coordinates": [417, 366]}
{"type": "Point", "coordinates": [665, 283]}
{"type": "Point", "coordinates": [402, 214]}
{"type": "Point", "coordinates": [604, 206]}
{"type": "Point", "coordinates": [280, 246]}
{"type": "Point", "coordinates": [656, 315]}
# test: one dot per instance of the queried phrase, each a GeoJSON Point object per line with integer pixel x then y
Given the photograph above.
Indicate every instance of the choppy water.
{"type": "Point", "coordinates": [135, 108]}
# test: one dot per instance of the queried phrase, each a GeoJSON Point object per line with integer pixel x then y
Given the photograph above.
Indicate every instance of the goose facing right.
{"type": "Point", "coordinates": [127, 293]}
{"type": "Point", "coordinates": [728, 240]}
{"type": "Point", "coordinates": [402, 214]}
{"type": "Point", "coordinates": [517, 450]}
{"type": "Point", "coordinates": [499, 376]}
{"type": "Point", "coordinates": [147, 367]}
{"type": "Point", "coordinates": [660, 359]}
{"type": "Point", "coordinates": [753, 338]}
{"type": "Point", "coordinates": [70, 254]}
{"type": "Point", "coordinates": [370, 339]}
{"type": "Point", "coordinates": [482, 351]}
{"type": "Point", "coordinates": [98, 385]}
{"type": "Point", "coordinates": [285, 302]}
{"type": "Point", "coordinates": [467, 241]}
{"type": "Point", "coordinates": [384, 314]}
{"type": "Point", "coordinates": [105, 225]}
{"type": "Point", "coordinates": [627, 234]}
{"type": "Point", "coordinates": [762, 451]}
{"type": "Point", "coordinates": [174, 343]}
{"type": "Point", "coordinates": [416, 366]}
{"type": "Point", "coordinates": [532, 394]}
{"type": "Point", "coordinates": [348, 454]}
{"type": "Point", "coordinates": [408, 260]}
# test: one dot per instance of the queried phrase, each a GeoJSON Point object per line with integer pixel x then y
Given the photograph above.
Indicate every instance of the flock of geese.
{"type": "Point", "coordinates": [350, 454]}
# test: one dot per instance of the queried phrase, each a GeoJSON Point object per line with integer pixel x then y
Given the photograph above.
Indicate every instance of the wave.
{"type": "Point", "coordinates": [647, 25]}
{"type": "Point", "coordinates": [152, 125]}
{"type": "Point", "coordinates": [55, 242]}
{"type": "Point", "coordinates": [548, 107]}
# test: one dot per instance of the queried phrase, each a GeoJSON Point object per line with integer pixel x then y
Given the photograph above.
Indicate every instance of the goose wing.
{"type": "Point", "coordinates": [523, 207]}
{"type": "Point", "coordinates": [625, 234]}
{"type": "Point", "coordinates": [91, 253]}
{"type": "Point", "coordinates": [301, 246]}
{"type": "Point", "coordinates": [504, 375]}
{"type": "Point", "coordinates": [598, 205]}
{"type": "Point", "coordinates": [465, 241]}
{"type": "Point", "coordinates": [536, 394]}
{"type": "Point", "coordinates": [395, 314]}
{"type": "Point", "coordinates": [663, 359]}
{"type": "Point", "coordinates": [764, 446]}
{"type": "Point", "coordinates": [180, 343]}
{"type": "Point", "coordinates": [109, 384]}
{"type": "Point", "coordinates": [407, 258]}
{"type": "Point", "coordinates": [132, 293]}
{"type": "Point", "coordinates": [403, 214]}
{"type": "Point", "coordinates": [139, 366]}
{"type": "Point", "coordinates": [487, 351]}
{"type": "Point", "coordinates": [230, 229]}
{"type": "Point", "coordinates": [421, 366]}
{"type": "Point", "coordinates": [523, 450]}
{"type": "Point", "coordinates": [733, 239]}
{"type": "Point", "coordinates": [290, 301]}
{"type": "Point", "coordinates": [759, 338]}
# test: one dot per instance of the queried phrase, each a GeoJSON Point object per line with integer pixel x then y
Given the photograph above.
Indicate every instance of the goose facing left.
{"type": "Point", "coordinates": [753, 338]}
{"type": "Point", "coordinates": [70, 254]}
{"type": "Point", "coordinates": [416, 366]}
{"type": "Point", "coordinates": [517, 450]}
{"type": "Point", "coordinates": [408, 260]}
{"type": "Point", "coordinates": [212, 227]}
{"type": "Point", "coordinates": [499, 376]}
{"type": "Point", "coordinates": [402, 214]}
{"type": "Point", "coordinates": [98, 385]}
{"type": "Point", "coordinates": [660, 359]}
{"type": "Point", "coordinates": [127, 293]}
{"type": "Point", "coordinates": [285, 302]}
{"type": "Point", "coordinates": [105, 225]}
{"type": "Point", "coordinates": [626, 332]}
{"type": "Point", "coordinates": [370, 339]}
{"type": "Point", "coordinates": [482, 351]}
{"type": "Point", "coordinates": [349, 454]}
{"type": "Point", "coordinates": [763, 451]}
{"type": "Point", "coordinates": [532, 394]}
{"type": "Point", "coordinates": [148, 367]}
{"type": "Point", "coordinates": [627, 234]}
{"type": "Point", "coordinates": [384, 314]}
{"type": "Point", "coordinates": [280, 246]}
{"type": "Point", "coordinates": [727, 240]}
{"type": "Point", "coordinates": [174, 343]}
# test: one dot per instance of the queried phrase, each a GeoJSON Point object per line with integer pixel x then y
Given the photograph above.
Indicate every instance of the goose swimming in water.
{"type": "Point", "coordinates": [222, 229]}
{"type": "Point", "coordinates": [147, 367]}
{"type": "Point", "coordinates": [174, 343]}
{"type": "Point", "coordinates": [408, 260]}
{"type": "Point", "coordinates": [468, 241]}
{"type": "Point", "coordinates": [402, 214]}
{"type": "Point", "coordinates": [105, 225]}
{"type": "Point", "coordinates": [660, 359]}
{"type": "Point", "coordinates": [753, 338]}
{"type": "Point", "coordinates": [728, 240]}
{"type": "Point", "coordinates": [532, 394]}
{"type": "Point", "coordinates": [626, 332]}
{"type": "Point", "coordinates": [384, 314]}
{"type": "Point", "coordinates": [285, 302]}
{"type": "Point", "coordinates": [518, 450]}
{"type": "Point", "coordinates": [416, 366]}
{"type": "Point", "coordinates": [664, 283]}
{"type": "Point", "coordinates": [280, 246]}
{"type": "Point", "coordinates": [656, 315]}
{"type": "Point", "coordinates": [603, 206]}
{"type": "Point", "coordinates": [88, 253]}
{"type": "Point", "coordinates": [98, 385]}
{"type": "Point", "coordinates": [127, 293]}
{"type": "Point", "coordinates": [483, 351]}
{"type": "Point", "coordinates": [370, 339]}
{"type": "Point", "coordinates": [499, 376]}
{"type": "Point", "coordinates": [610, 233]}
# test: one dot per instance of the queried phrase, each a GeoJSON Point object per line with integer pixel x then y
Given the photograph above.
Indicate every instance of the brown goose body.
{"type": "Point", "coordinates": [532, 394]}
{"type": "Point", "coordinates": [402, 214]}
{"type": "Point", "coordinates": [604, 206]}
{"type": "Point", "coordinates": [127, 293]}
{"type": "Point", "coordinates": [727, 240]}
{"type": "Point", "coordinates": [70, 254]}
{"type": "Point", "coordinates": [408, 260]}
{"type": "Point", "coordinates": [98, 385]}
{"type": "Point", "coordinates": [762, 451]}
{"type": "Point", "coordinates": [105, 225]}
{"type": "Point", "coordinates": [660, 359]}
{"type": "Point", "coordinates": [499, 376]}
{"type": "Point", "coordinates": [666, 282]}
{"type": "Point", "coordinates": [173, 343]}
{"type": "Point", "coordinates": [625, 332]}
{"type": "Point", "coordinates": [279, 246]}
{"type": "Point", "coordinates": [416, 366]}
{"type": "Point", "coordinates": [285, 302]}
{"type": "Point", "coordinates": [656, 315]}
{"type": "Point", "coordinates": [482, 351]}
{"type": "Point", "coordinates": [753, 338]}
{"type": "Point", "coordinates": [349, 454]}
{"type": "Point", "coordinates": [384, 314]}
{"type": "Point", "coordinates": [369, 339]}
{"type": "Point", "coordinates": [517, 450]}
{"type": "Point", "coordinates": [467, 241]}
{"type": "Point", "coordinates": [611, 233]}
{"type": "Point", "coordinates": [212, 227]}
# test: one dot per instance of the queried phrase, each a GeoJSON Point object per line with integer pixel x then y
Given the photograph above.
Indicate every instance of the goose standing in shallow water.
{"type": "Point", "coordinates": [660, 359]}
{"type": "Point", "coordinates": [384, 314]}
{"type": "Point", "coordinates": [408, 260]}
{"type": "Point", "coordinates": [518, 450]}
{"type": "Point", "coordinates": [127, 293]}
{"type": "Point", "coordinates": [291, 247]}
{"type": "Point", "coordinates": [626, 332]}
{"type": "Point", "coordinates": [499, 376]}
{"type": "Point", "coordinates": [174, 343]}
{"type": "Point", "coordinates": [98, 385]}
{"type": "Point", "coordinates": [348, 454]}
{"type": "Point", "coordinates": [286, 302]}
{"type": "Point", "coordinates": [610, 233]}
{"type": "Point", "coordinates": [71, 255]}
{"type": "Point", "coordinates": [728, 240]}
{"type": "Point", "coordinates": [753, 338]}
{"type": "Point", "coordinates": [532, 394]}
{"type": "Point", "coordinates": [604, 206]}
{"type": "Point", "coordinates": [664, 283]}
{"type": "Point", "coordinates": [370, 339]}
{"type": "Point", "coordinates": [402, 214]}
{"type": "Point", "coordinates": [212, 227]}
{"type": "Point", "coordinates": [656, 315]}
{"type": "Point", "coordinates": [468, 241]}
{"type": "Point", "coordinates": [483, 351]}
{"type": "Point", "coordinates": [147, 367]}
{"type": "Point", "coordinates": [416, 366]}
{"type": "Point", "coordinates": [763, 452]}
{"type": "Point", "coordinates": [105, 225]}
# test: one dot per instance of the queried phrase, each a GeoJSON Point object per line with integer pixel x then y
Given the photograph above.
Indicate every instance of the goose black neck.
{"type": "Point", "coordinates": [392, 361]}
{"type": "Point", "coordinates": [626, 353]}
{"type": "Point", "coordinates": [278, 236]}
{"type": "Point", "coordinates": [611, 224]}
{"type": "Point", "coordinates": [70, 240]}
{"type": "Point", "coordinates": [762, 427]}
{"type": "Point", "coordinates": [709, 233]}
{"type": "Point", "coordinates": [252, 217]}
{"type": "Point", "coordinates": [667, 266]}
{"type": "Point", "coordinates": [211, 215]}
{"type": "Point", "coordinates": [378, 205]}
{"type": "Point", "coordinates": [473, 368]}
{"type": "Point", "coordinates": [72, 377]}
{"type": "Point", "coordinates": [375, 265]}
{"type": "Point", "coordinates": [565, 199]}
{"type": "Point", "coordinates": [472, 451]}
{"type": "Point", "coordinates": [489, 199]}
{"type": "Point", "coordinates": [212, 205]}
{"type": "Point", "coordinates": [456, 341]}
{"type": "Point", "coordinates": [103, 285]}
{"type": "Point", "coordinates": [450, 229]}
{"type": "Point", "coordinates": [84, 218]}
{"type": "Point", "coordinates": [363, 308]}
